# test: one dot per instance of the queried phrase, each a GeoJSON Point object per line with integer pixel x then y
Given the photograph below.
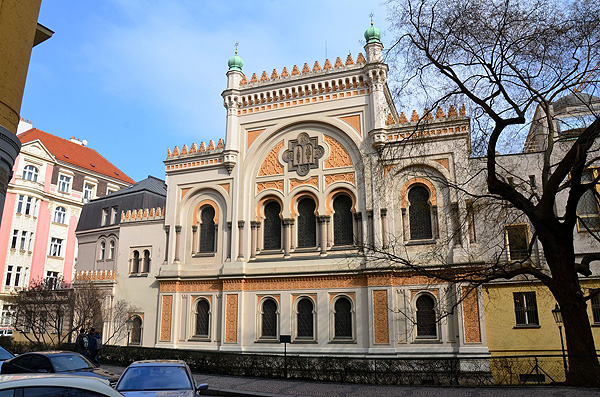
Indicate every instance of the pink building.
{"type": "Point", "coordinates": [52, 179]}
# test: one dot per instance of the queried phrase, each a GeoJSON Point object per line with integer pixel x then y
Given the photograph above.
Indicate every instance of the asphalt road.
{"type": "Point", "coordinates": [222, 385]}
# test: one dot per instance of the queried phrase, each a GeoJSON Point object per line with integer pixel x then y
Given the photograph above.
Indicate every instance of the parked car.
{"type": "Point", "coordinates": [55, 385]}
{"type": "Point", "coordinates": [8, 332]}
{"type": "Point", "coordinates": [59, 362]}
{"type": "Point", "coordinates": [158, 376]}
{"type": "Point", "coordinates": [4, 355]}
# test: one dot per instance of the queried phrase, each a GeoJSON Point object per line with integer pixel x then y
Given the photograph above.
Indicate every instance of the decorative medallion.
{"type": "Point", "coordinates": [303, 154]}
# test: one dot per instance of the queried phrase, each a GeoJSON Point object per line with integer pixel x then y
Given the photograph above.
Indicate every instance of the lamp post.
{"type": "Point", "coordinates": [558, 319]}
{"type": "Point", "coordinates": [129, 324]}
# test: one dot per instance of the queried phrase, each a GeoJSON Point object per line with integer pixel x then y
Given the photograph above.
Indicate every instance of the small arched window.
{"type": "Point", "coordinates": [146, 262]}
{"type": "Point", "coordinates": [269, 319]}
{"type": "Point", "coordinates": [305, 317]}
{"type": "Point", "coordinates": [111, 249]}
{"type": "Point", "coordinates": [307, 223]}
{"type": "Point", "coordinates": [207, 229]}
{"type": "Point", "coordinates": [426, 320]}
{"type": "Point", "coordinates": [342, 221]}
{"type": "Point", "coordinates": [60, 215]}
{"type": "Point", "coordinates": [102, 250]}
{"type": "Point", "coordinates": [343, 318]}
{"type": "Point", "coordinates": [202, 318]}
{"type": "Point", "coordinates": [30, 173]}
{"type": "Point", "coordinates": [136, 331]}
{"type": "Point", "coordinates": [135, 262]}
{"type": "Point", "coordinates": [272, 226]}
{"type": "Point", "coordinates": [419, 213]}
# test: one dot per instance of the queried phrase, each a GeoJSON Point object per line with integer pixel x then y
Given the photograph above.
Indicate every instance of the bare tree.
{"type": "Point", "coordinates": [510, 61]}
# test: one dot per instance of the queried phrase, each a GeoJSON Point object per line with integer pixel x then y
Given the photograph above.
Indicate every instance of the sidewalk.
{"type": "Point", "coordinates": [223, 385]}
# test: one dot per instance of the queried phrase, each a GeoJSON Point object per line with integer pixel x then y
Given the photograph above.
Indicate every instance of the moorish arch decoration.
{"type": "Point", "coordinates": [303, 154]}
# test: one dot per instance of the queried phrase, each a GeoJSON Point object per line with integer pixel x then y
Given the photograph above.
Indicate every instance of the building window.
{"type": "Point", "coordinates": [29, 206]}
{"type": "Point", "coordinates": [525, 309]}
{"type": "Point", "coordinates": [7, 317]}
{"type": "Point", "coordinates": [23, 244]}
{"type": "Point", "coordinates": [207, 229]}
{"type": "Point", "coordinates": [113, 215]}
{"type": "Point", "coordinates": [55, 246]}
{"type": "Point", "coordinates": [419, 213]}
{"type": "Point", "coordinates": [202, 318]}
{"type": "Point", "coordinates": [9, 273]}
{"type": "Point", "coordinates": [102, 250]}
{"type": "Point", "coordinates": [111, 249]}
{"type": "Point", "coordinates": [596, 309]}
{"type": "Point", "coordinates": [517, 242]}
{"type": "Point", "coordinates": [342, 221]}
{"type": "Point", "coordinates": [15, 239]}
{"type": "Point", "coordinates": [30, 243]}
{"type": "Point", "coordinates": [136, 331]}
{"type": "Point", "coordinates": [305, 319]}
{"type": "Point", "coordinates": [272, 226]}
{"type": "Point", "coordinates": [17, 282]}
{"type": "Point", "coordinates": [20, 203]}
{"type": "Point", "coordinates": [52, 280]}
{"type": "Point", "coordinates": [269, 319]}
{"type": "Point", "coordinates": [342, 313]}
{"type": "Point", "coordinates": [146, 262]}
{"type": "Point", "coordinates": [60, 214]}
{"type": "Point", "coordinates": [588, 208]}
{"type": "Point", "coordinates": [30, 173]}
{"type": "Point", "coordinates": [307, 223]}
{"type": "Point", "coordinates": [426, 318]}
{"type": "Point", "coordinates": [105, 215]}
{"type": "Point", "coordinates": [135, 262]}
{"type": "Point", "coordinates": [88, 192]}
{"type": "Point", "coordinates": [64, 183]}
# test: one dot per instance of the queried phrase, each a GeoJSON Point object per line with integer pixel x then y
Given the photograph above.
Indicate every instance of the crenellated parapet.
{"type": "Point", "coordinates": [95, 275]}
{"type": "Point", "coordinates": [428, 125]}
{"type": "Point", "coordinates": [143, 214]}
{"type": "Point", "coordinates": [195, 149]}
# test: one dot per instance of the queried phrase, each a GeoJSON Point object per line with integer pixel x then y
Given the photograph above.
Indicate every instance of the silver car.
{"type": "Point", "coordinates": [54, 385]}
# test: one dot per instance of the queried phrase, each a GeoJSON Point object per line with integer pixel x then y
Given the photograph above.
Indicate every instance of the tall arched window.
{"type": "Point", "coordinates": [343, 318]}
{"type": "Point", "coordinates": [269, 319]}
{"type": "Point", "coordinates": [305, 317]}
{"type": "Point", "coordinates": [146, 262]}
{"type": "Point", "coordinates": [307, 223]}
{"type": "Point", "coordinates": [60, 214]}
{"type": "Point", "coordinates": [272, 226]}
{"type": "Point", "coordinates": [419, 212]}
{"type": "Point", "coordinates": [202, 318]}
{"type": "Point", "coordinates": [342, 221]}
{"type": "Point", "coordinates": [136, 331]}
{"type": "Point", "coordinates": [111, 249]}
{"type": "Point", "coordinates": [426, 320]}
{"type": "Point", "coordinates": [30, 173]}
{"type": "Point", "coordinates": [102, 250]}
{"type": "Point", "coordinates": [135, 262]}
{"type": "Point", "coordinates": [207, 229]}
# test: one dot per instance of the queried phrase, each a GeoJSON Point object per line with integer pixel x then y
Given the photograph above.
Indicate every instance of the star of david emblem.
{"type": "Point", "coordinates": [303, 154]}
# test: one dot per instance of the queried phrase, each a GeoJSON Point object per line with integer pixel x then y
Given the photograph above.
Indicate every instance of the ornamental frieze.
{"type": "Point", "coordinates": [303, 154]}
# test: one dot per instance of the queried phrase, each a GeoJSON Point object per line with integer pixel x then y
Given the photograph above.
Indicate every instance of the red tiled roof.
{"type": "Point", "coordinates": [75, 154]}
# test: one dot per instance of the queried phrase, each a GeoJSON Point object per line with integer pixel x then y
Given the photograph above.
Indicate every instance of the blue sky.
{"type": "Point", "coordinates": [133, 77]}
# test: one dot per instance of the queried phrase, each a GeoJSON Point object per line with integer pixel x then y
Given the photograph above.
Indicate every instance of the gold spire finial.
{"type": "Point", "coordinates": [237, 43]}
{"type": "Point", "coordinates": [371, 16]}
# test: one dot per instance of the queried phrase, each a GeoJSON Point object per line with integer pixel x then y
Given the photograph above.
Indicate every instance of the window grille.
{"type": "Point", "coordinates": [207, 230]}
{"type": "Point", "coordinates": [136, 331]}
{"type": "Point", "coordinates": [426, 319]}
{"type": "Point", "coordinates": [343, 318]}
{"type": "Point", "coordinates": [588, 208]}
{"type": "Point", "coordinates": [596, 309]}
{"type": "Point", "coordinates": [525, 308]}
{"type": "Point", "coordinates": [305, 318]}
{"type": "Point", "coordinates": [202, 318]}
{"type": "Point", "coordinates": [517, 239]}
{"type": "Point", "coordinates": [307, 223]}
{"type": "Point", "coordinates": [272, 226]}
{"type": "Point", "coordinates": [419, 212]}
{"type": "Point", "coordinates": [269, 319]}
{"type": "Point", "coordinates": [342, 221]}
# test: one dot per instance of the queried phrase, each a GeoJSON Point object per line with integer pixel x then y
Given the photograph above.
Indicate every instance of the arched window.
{"type": "Point", "coordinates": [307, 223]}
{"type": "Point", "coordinates": [136, 331]}
{"type": "Point", "coordinates": [30, 173]}
{"type": "Point", "coordinates": [102, 250]}
{"type": "Point", "coordinates": [207, 230]}
{"type": "Point", "coordinates": [269, 319]}
{"type": "Point", "coordinates": [419, 212]}
{"type": "Point", "coordinates": [135, 262]}
{"type": "Point", "coordinates": [426, 321]}
{"type": "Point", "coordinates": [343, 318]}
{"type": "Point", "coordinates": [146, 262]}
{"type": "Point", "coordinates": [111, 249]}
{"type": "Point", "coordinates": [272, 226]}
{"type": "Point", "coordinates": [202, 318]}
{"type": "Point", "coordinates": [342, 221]}
{"type": "Point", "coordinates": [305, 317]}
{"type": "Point", "coordinates": [60, 214]}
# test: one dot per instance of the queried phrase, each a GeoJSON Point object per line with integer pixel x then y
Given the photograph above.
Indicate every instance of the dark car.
{"type": "Point", "coordinates": [152, 377]}
{"type": "Point", "coordinates": [5, 355]}
{"type": "Point", "coordinates": [59, 362]}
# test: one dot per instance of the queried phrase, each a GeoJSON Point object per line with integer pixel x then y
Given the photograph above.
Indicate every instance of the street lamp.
{"type": "Point", "coordinates": [558, 319]}
{"type": "Point", "coordinates": [129, 324]}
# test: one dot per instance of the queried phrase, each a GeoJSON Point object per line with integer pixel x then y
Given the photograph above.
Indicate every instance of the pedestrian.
{"type": "Point", "coordinates": [81, 343]}
{"type": "Point", "coordinates": [97, 347]}
{"type": "Point", "coordinates": [91, 344]}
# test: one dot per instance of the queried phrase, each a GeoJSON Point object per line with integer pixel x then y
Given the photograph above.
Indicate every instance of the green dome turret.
{"type": "Point", "coordinates": [373, 35]}
{"type": "Point", "coordinates": [235, 63]}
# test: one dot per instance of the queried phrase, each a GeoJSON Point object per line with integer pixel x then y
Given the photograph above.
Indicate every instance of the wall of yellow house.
{"type": "Point", "coordinates": [505, 338]}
